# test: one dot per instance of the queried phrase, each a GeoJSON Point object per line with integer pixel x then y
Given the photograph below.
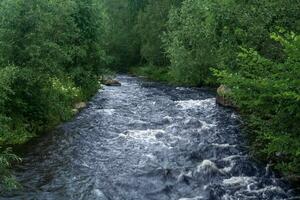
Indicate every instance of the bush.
{"type": "Point", "coordinates": [7, 180]}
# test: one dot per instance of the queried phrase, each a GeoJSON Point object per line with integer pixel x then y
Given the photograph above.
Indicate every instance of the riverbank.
{"type": "Point", "coordinates": [57, 103]}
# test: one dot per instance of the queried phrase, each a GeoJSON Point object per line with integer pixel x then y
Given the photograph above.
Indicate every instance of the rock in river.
{"type": "Point", "coordinates": [222, 96]}
{"type": "Point", "coordinates": [111, 82]}
{"type": "Point", "coordinates": [79, 106]}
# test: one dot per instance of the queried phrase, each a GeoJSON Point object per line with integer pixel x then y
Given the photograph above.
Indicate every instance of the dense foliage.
{"type": "Point", "coordinates": [50, 57]}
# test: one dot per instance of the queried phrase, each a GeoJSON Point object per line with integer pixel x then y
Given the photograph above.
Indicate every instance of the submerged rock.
{"type": "Point", "coordinates": [111, 82]}
{"type": "Point", "coordinates": [222, 96]}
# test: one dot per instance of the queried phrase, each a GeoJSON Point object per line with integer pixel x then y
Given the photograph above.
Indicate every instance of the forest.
{"type": "Point", "coordinates": [53, 54]}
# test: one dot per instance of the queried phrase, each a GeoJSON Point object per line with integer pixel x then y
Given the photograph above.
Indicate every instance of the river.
{"type": "Point", "coordinates": [147, 141]}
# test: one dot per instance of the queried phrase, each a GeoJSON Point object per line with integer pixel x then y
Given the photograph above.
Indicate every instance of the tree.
{"type": "Point", "coordinates": [190, 42]}
{"type": "Point", "coordinates": [151, 24]}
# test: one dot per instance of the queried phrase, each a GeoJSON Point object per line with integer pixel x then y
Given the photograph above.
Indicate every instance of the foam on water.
{"type": "Point", "coordinates": [238, 181]}
{"type": "Point", "coordinates": [106, 111]}
{"type": "Point", "coordinates": [145, 135]}
{"type": "Point", "coordinates": [223, 145]}
{"type": "Point", "coordinates": [197, 104]}
{"type": "Point", "coordinates": [206, 125]}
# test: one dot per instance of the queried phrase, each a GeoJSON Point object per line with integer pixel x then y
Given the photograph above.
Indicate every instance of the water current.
{"type": "Point", "coordinates": [147, 141]}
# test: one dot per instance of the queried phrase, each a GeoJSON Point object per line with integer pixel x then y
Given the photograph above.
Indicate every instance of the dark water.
{"type": "Point", "coordinates": [145, 141]}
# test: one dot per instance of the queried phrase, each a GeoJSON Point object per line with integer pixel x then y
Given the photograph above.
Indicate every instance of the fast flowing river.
{"type": "Point", "coordinates": [147, 141]}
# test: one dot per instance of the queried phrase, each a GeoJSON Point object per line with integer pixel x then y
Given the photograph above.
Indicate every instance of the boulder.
{"type": "Point", "coordinates": [78, 107]}
{"type": "Point", "coordinates": [223, 93]}
{"type": "Point", "coordinates": [111, 82]}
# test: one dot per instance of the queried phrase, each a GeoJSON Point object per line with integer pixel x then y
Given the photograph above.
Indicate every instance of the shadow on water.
{"type": "Point", "coordinates": [147, 141]}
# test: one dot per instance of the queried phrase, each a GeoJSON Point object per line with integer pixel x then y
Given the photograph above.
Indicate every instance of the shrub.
{"type": "Point", "coordinates": [7, 180]}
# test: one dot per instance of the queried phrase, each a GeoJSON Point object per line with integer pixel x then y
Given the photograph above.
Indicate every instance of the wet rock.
{"type": "Point", "coordinates": [111, 82]}
{"type": "Point", "coordinates": [222, 96]}
{"type": "Point", "coordinates": [79, 106]}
